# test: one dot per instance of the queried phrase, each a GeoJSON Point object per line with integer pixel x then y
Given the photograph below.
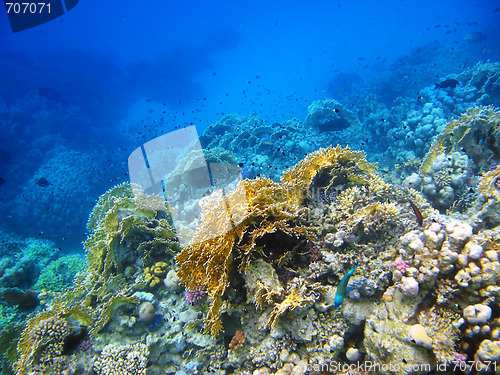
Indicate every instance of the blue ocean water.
{"type": "Point", "coordinates": [80, 93]}
{"type": "Point", "coordinates": [103, 79]}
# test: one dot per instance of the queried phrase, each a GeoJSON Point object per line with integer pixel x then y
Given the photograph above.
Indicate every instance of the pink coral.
{"type": "Point", "coordinates": [400, 265]}
{"type": "Point", "coordinates": [194, 296]}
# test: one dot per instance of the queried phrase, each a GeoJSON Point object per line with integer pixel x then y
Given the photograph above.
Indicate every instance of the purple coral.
{"type": "Point", "coordinates": [85, 345]}
{"type": "Point", "coordinates": [194, 296]}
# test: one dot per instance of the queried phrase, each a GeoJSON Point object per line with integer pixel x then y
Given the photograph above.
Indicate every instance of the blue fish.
{"type": "Point", "coordinates": [339, 296]}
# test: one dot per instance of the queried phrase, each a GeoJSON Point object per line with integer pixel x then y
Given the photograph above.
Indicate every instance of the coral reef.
{"type": "Point", "coordinates": [270, 255]}
{"type": "Point", "coordinates": [475, 133]}
{"type": "Point", "coordinates": [121, 233]}
{"type": "Point", "coordinates": [122, 360]}
{"type": "Point", "coordinates": [268, 150]}
{"type": "Point", "coordinates": [261, 214]}
{"type": "Point", "coordinates": [329, 115]}
{"type": "Point", "coordinates": [60, 273]}
{"type": "Point", "coordinates": [265, 258]}
{"type": "Point", "coordinates": [463, 148]}
{"type": "Point", "coordinates": [482, 82]}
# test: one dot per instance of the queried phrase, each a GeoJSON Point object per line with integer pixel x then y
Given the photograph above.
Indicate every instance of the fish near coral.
{"type": "Point", "coordinates": [339, 296]}
{"type": "Point", "coordinates": [418, 214]}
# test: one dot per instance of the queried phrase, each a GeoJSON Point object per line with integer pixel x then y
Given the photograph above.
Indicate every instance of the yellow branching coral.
{"type": "Point", "coordinates": [473, 133]}
{"type": "Point", "coordinates": [489, 185]}
{"type": "Point", "coordinates": [329, 166]}
{"type": "Point", "coordinates": [299, 296]}
{"type": "Point", "coordinates": [242, 225]}
{"type": "Point", "coordinates": [123, 223]}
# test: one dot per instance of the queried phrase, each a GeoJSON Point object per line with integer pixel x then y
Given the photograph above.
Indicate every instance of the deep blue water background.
{"type": "Point", "coordinates": [106, 77]}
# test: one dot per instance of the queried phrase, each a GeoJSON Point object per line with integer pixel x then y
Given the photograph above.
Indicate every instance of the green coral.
{"type": "Point", "coordinates": [7, 314]}
{"type": "Point", "coordinates": [9, 336]}
{"type": "Point", "coordinates": [38, 250]}
{"type": "Point", "coordinates": [124, 227]}
{"type": "Point", "coordinates": [59, 274]}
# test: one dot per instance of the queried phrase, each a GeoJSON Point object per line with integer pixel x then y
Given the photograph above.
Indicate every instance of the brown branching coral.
{"type": "Point", "coordinates": [247, 223]}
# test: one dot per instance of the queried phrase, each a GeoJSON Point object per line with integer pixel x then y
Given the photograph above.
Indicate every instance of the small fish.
{"type": "Point", "coordinates": [418, 214]}
{"type": "Point", "coordinates": [339, 296]}
{"type": "Point", "coordinates": [42, 182]}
